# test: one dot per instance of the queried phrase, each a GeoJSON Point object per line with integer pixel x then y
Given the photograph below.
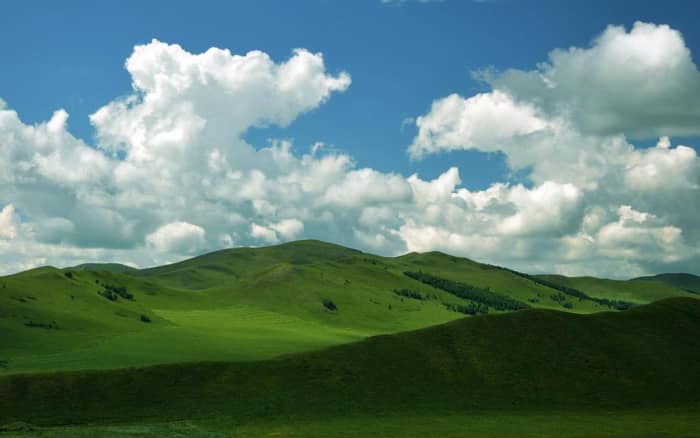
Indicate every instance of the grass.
{"type": "Point", "coordinates": [636, 291]}
{"type": "Point", "coordinates": [531, 360]}
{"type": "Point", "coordinates": [249, 304]}
{"type": "Point", "coordinates": [688, 282]}
{"type": "Point", "coordinates": [576, 424]}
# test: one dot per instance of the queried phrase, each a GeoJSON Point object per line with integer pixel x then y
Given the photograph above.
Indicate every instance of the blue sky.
{"type": "Point", "coordinates": [537, 170]}
{"type": "Point", "coordinates": [71, 54]}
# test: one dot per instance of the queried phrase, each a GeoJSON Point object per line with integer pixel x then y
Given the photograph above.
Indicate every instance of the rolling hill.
{"type": "Point", "coordinates": [250, 304]}
{"type": "Point", "coordinates": [688, 282]}
{"type": "Point", "coordinates": [529, 361]}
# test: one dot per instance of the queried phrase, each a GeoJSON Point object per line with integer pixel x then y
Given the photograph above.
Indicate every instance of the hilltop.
{"type": "Point", "coordinates": [248, 304]}
{"type": "Point", "coordinates": [688, 282]}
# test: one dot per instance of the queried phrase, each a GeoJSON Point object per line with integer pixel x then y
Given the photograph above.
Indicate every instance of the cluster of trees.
{"type": "Point", "coordinates": [408, 293]}
{"type": "Point", "coordinates": [613, 304]}
{"type": "Point", "coordinates": [329, 305]}
{"type": "Point", "coordinates": [44, 325]}
{"type": "Point", "coordinates": [468, 292]}
{"type": "Point", "coordinates": [113, 293]}
{"type": "Point", "coordinates": [562, 300]}
{"type": "Point", "coordinates": [470, 309]}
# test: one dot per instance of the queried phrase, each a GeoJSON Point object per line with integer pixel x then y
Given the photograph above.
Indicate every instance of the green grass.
{"type": "Point", "coordinates": [676, 423]}
{"type": "Point", "coordinates": [531, 360]}
{"type": "Point", "coordinates": [635, 291]}
{"type": "Point", "coordinates": [688, 282]}
{"type": "Point", "coordinates": [240, 344]}
{"type": "Point", "coordinates": [248, 304]}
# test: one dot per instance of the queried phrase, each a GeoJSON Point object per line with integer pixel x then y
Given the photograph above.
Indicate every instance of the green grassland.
{"type": "Point", "coordinates": [663, 423]}
{"type": "Point", "coordinates": [534, 372]}
{"type": "Point", "coordinates": [688, 282]}
{"type": "Point", "coordinates": [309, 339]}
{"type": "Point", "coordinates": [254, 303]}
{"type": "Point", "coordinates": [637, 291]}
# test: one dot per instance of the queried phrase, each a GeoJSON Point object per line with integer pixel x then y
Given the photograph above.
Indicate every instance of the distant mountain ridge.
{"type": "Point", "coordinates": [685, 281]}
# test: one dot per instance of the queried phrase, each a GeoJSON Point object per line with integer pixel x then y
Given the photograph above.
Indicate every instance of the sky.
{"type": "Point", "coordinates": [546, 136]}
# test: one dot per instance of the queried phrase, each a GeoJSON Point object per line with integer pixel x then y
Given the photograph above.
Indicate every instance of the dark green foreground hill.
{"type": "Point", "coordinates": [530, 360]}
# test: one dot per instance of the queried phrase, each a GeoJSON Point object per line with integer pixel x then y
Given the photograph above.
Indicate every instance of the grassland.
{"type": "Point", "coordinates": [251, 304]}
{"type": "Point", "coordinates": [548, 372]}
{"type": "Point", "coordinates": [312, 339]}
{"type": "Point", "coordinates": [663, 423]}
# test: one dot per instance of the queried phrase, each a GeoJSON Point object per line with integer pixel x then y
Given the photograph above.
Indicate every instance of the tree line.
{"type": "Point", "coordinates": [468, 292]}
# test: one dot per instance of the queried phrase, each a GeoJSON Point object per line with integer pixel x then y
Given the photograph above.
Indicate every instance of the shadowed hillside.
{"type": "Point", "coordinates": [531, 359]}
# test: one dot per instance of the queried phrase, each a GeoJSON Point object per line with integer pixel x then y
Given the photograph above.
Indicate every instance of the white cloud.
{"type": "Point", "coordinates": [7, 222]}
{"type": "Point", "coordinates": [288, 228]}
{"type": "Point", "coordinates": [187, 182]}
{"type": "Point", "coordinates": [483, 122]}
{"type": "Point", "coordinates": [642, 83]}
{"type": "Point", "coordinates": [262, 232]}
{"type": "Point", "coordinates": [566, 124]}
{"type": "Point", "coordinates": [550, 209]}
{"type": "Point", "coordinates": [177, 238]}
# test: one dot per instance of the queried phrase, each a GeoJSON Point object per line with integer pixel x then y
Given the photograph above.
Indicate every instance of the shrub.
{"type": "Point", "coordinates": [329, 305]}
{"type": "Point", "coordinates": [43, 325]}
{"type": "Point", "coordinates": [145, 318]}
{"type": "Point", "coordinates": [470, 309]}
{"type": "Point", "coordinates": [409, 294]}
{"type": "Point", "coordinates": [69, 274]}
{"type": "Point", "coordinates": [111, 296]}
{"type": "Point", "coordinates": [120, 291]}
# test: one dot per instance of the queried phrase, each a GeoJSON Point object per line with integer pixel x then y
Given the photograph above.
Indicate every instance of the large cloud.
{"type": "Point", "coordinates": [567, 125]}
{"type": "Point", "coordinates": [170, 174]}
{"type": "Point", "coordinates": [641, 83]}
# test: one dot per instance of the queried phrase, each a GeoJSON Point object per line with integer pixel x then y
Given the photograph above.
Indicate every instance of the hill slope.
{"type": "Point", "coordinates": [248, 304]}
{"type": "Point", "coordinates": [635, 291]}
{"type": "Point", "coordinates": [532, 359]}
{"type": "Point", "coordinates": [688, 282]}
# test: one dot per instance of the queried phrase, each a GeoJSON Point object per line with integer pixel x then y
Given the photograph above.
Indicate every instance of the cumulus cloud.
{"type": "Point", "coordinates": [170, 173]}
{"type": "Point", "coordinates": [7, 222]}
{"type": "Point", "coordinates": [485, 122]}
{"type": "Point", "coordinates": [177, 238]}
{"type": "Point", "coordinates": [567, 125]}
{"type": "Point", "coordinates": [641, 82]}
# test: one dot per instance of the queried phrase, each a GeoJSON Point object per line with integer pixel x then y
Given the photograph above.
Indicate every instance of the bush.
{"type": "Point", "coordinates": [111, 296]}
{"type": "Point", "coordinates": [118, 290]}
{"type": "Point", "coordinates": [470, 309]}
{"type": "Point", "coordinates": [145, 318]}
{"type": "Point", "coordinates": [69, 274]}
{"type": "Point", "coordinates": [408, 293]}
{"type": "Point", "coordinates": [43, 325]}
{"type": "Point", "coordinates": [329, 305]}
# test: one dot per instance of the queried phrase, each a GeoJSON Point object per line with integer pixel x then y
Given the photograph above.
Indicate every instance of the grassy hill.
{"type": "Point", "coordinates": [528, 361]}
{"type": "Point", "coordinates": [635, 291]}
{"type": "Point", "coordinates": [688, 282]}
{"type": "Point", "coordinates": [248, 304]}
{"type": "Point", "coordinates": [109, 267]}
